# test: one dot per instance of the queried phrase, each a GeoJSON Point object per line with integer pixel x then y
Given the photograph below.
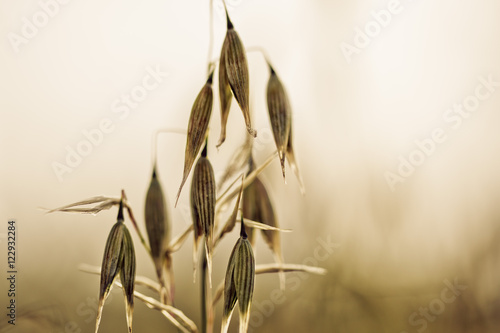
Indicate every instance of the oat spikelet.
{"type": "Point", "coordinates": [203, 204]}
{"type": "Point", "coordinates": [197, 228]}
{"type": "Point", "coordinates": [257, 206]}
{"type": "Point", "coordinates": [111, 262]}
{"type": "Point", "coordinates": [239, 282]}
{"type": "Point", "coordinates": [157, 223]}
{"type": "Point", "coordinates": [127, 276]}
{"type": "Point", "coordinates": [197, 128]}
{"type": "Point", "coordinates": [236, 68]}
{"type": "Point", "coordinates": [290, 155]}
{"type": "Point", "coordinates": [118, 259]}
{"type": "Point", "coordinates": [279, 115]}
{"type": "Point", "coordinates": [225, 96]}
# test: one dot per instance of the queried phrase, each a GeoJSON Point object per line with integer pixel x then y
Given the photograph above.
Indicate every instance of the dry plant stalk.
{"type": "Point", "coordinates": [272, 268]}
{"type": "Point", "coordinates": [176, 316]}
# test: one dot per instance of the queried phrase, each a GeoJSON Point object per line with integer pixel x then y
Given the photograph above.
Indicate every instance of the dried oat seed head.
{"type": "Point", "coordinates": [279, 115]}
{"type": "Point", "coordinates": [111, 262]}
{"type": "Point", "coordinates": [197, 128]}
{"type": "Point", "coordinates": [127, 275]}
{"type": "Point", "coordinates": [118, 259]}
{"type": "Point", "coordinates": [225, 96]}
{"type": "Point", "coordinates": [239, 282]}
{"type": "Point", "coordinates": [157, 222]}
{"type": "Point", "coordinates": [203, 203]}
{"type": "Point", "coordinates": [236, 69]}
{"type": "Point", "coordinates": [257, 206]}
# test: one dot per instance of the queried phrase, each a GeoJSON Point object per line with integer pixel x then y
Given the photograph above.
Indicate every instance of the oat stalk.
{"type": "Point", "coordinates": [176, 316]}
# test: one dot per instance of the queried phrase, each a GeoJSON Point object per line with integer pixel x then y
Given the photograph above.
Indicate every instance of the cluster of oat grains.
{"type": "Point", "coordinates": [247, 190]}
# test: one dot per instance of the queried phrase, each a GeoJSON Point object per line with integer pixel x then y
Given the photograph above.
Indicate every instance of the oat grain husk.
{"type": "Point", "coordinates": [157, 223]}
{"type": "Point", "coordinates": [197, 128]}
{"type": "Point", "coordinates": [118, 259]}
{"type": "Point", "coordinates": [279, 115]}
{"type": "Point", "coordinates": [127, 276]}
{"type": "Point", "coordinates": [203, 199]}
{"type": "Point", "coordinates": [292, 161]}
{"type": "Point", "coordinates": [110, 266]}
{"type": "Point", "coordinates": [239, 283]}
{"type": "Point", "coordinates": [236, 68]}
{"type": "Point", "coordinates": [225, 96]}
{"type": "Point", "coordinates": [257, 206]}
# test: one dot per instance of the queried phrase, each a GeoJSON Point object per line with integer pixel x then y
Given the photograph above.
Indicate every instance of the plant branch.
{"type": "Point", "coordinates": [176, 316]}
{"type": "Point", "coordinates": [273, 268]}
{"type": "Point", "coordinates": [134, 222]}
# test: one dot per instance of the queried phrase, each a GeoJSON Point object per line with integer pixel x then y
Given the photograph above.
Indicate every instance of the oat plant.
{"type": "Point", "coordinates": [217, 206]}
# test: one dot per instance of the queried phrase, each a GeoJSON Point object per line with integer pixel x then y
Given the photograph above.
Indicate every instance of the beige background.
{"type": "Point", "coordinates": [352, 121]}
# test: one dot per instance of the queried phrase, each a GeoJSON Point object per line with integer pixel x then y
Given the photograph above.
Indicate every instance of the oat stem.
{"type": "Point", "coordinates": [261, 51]}
{"type": "Point", "coordinates": [134, 223]}
{"type": "Point", "coordinates": [207, 315]}
{"type": "Point", "coordinates": [211, 35]}
{"type": "Point", "coordinates": [167, 130]}
{"type": "Point", "coordinates": [168, 283]}
{"type": "Point", "coordinates": [251, 49]}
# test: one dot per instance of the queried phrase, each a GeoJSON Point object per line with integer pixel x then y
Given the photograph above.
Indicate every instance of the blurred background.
{"type": "Point", "coordinates": [395, 129]}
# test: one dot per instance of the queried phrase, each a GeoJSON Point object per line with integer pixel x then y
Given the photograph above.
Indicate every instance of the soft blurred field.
{"type": "Point", "coordinates": [396, 252]}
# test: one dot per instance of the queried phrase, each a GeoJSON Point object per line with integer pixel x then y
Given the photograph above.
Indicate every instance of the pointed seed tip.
{"type": "Point", "coordinates": [243, 232]}
{"type": "Point", "coordinates": [229, 23]}
{"type": "Point", "coordinates": [221, 141]}
{"type": "Point", "coordinates": [205, 148]}
{"type": "Point", "coordinates": [210, 77]}
{"type": "Point", "coordinates": [120, 211]}
{"type": "Point", "coordinates": [271, 69]}
{"type": "Point", "coordinates": [177, 198]}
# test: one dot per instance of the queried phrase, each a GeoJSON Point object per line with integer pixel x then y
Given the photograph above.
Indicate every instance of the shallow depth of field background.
{"type": "Point", "coordinates": [395, 251]}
